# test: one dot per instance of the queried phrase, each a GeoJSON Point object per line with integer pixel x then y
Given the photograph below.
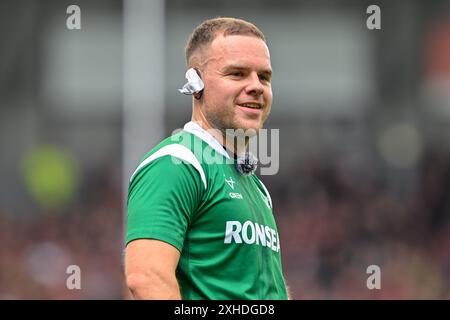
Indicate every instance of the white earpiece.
{"type": "Point", "coordinates": [194, 83]}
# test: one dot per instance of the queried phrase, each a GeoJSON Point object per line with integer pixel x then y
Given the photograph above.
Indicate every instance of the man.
{"type": "Point", "coordinates": [199, 225]}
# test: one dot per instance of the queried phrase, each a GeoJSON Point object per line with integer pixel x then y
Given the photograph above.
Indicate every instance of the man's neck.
{"type": "Point", "coordinates": [232, 144]}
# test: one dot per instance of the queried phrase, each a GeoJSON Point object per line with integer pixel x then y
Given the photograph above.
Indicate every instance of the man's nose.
{"type": "Point", "coordinates": [254, 85]}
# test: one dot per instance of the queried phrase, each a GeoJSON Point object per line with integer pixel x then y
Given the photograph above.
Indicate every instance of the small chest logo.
{"type": "Point", "coordinates": [233, 195]}
{"type": "Point", "coordinates": [230, 182]}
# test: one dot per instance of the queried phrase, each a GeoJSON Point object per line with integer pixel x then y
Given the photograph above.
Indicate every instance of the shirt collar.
{"type": "Point", "coordinates": [198, 131]}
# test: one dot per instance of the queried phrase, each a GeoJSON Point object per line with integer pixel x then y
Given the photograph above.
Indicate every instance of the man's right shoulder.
{"type": "Point", "coordinates": [181, 137]}
{"type": "Point", "coordinates": [181, 147]}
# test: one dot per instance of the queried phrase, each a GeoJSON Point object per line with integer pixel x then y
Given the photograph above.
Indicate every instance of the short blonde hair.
{"type": "Point", "coordinates": [207, 31]}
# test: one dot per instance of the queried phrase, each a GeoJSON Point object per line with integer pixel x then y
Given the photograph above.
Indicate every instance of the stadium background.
{"type": "Point", "coordinates": [364, 119]}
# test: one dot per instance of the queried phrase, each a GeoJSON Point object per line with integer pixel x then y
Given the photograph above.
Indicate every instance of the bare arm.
{"type": "Point", "coordinates": [150, 269]}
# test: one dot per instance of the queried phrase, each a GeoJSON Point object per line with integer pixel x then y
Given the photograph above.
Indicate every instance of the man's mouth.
{"type": "Point", "coordinates": [251, 105]}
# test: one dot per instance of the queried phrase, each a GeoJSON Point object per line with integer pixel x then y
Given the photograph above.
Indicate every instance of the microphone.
{"type": "Point", "coordinates": [246, 163]}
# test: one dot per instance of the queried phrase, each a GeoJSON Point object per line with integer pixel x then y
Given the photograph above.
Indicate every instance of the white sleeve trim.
{"type": "Point", "coordinates": [267, 193]}
{"type": "Point", "coordinates": [178, 151]}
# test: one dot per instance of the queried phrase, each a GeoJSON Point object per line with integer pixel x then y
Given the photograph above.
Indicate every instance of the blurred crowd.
{"type": "Point", "coordinates": [38, 247]}
{"type": "Point", "coordinates": [333, 225]}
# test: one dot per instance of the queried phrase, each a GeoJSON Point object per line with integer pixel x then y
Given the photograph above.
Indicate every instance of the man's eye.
{"type": "Point", "coordinates": [236, 74]}
{"type": "Point", "coordinates": [264, 78]}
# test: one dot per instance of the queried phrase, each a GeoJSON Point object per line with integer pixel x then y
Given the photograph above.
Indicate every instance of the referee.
{"type": "Point", "coordinates": [200, 223]}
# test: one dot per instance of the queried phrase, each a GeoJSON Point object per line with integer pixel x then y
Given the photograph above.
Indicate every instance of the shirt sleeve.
{"type": "Point", "coordinates": [162, 199]}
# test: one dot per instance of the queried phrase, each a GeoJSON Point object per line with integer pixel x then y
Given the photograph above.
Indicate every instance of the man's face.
{"type": "Point", "coordinates": [237, 74]}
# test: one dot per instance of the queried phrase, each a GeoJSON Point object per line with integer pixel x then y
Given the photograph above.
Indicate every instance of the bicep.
{"type": "Point", "coordinates": [150, 267]}
{"type": "Point", "coordinates": [149, 256]}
